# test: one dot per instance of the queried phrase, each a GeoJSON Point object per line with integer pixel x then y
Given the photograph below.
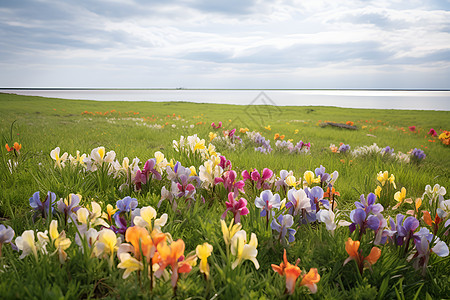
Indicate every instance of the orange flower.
{"type": "Point", "coordinates": [142, 241]}
{"type": "Point", "coordinates": [310, 279]}
{"type": "Point", "coordinates": [292, 272]}
{"type": "Point", "coordinates": [169, 255]}
{"type": "Point", "coordinates": [327, 194]}
{"type": "Point", "coordinates": [17, 146]}
{"type": "Point", "coordinates": [352, 248]}
{"type": "Point", "coordinates": [8, 148]}
{"type": "Point", "coordinates": [349, 123]}
{"type": "Point", "coordinates": [277, 136]}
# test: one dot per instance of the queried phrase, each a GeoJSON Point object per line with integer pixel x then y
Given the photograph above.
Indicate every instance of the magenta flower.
{"type": "Point", "coordinates": [412, 128]}
{"type": "Point", "coordinates": [238, 208]}
{"type": "Point", "coordinates": [225, 163]}
{"type": "Point", "coordinates": [229, 182]}
{"type": "Point", "coordinates": [432, 132]}
{"type": "Point", "coordinates": [213, 125]}
{"type": "Point", "coordinates": [259, 180]}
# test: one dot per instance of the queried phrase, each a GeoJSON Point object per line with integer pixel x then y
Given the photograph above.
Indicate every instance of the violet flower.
{"type": "Point", "coordinates": [68, 207]}
{"type": "Point", "coordinates": [127, 204]}
{"type": "Point", "coordinates": [316, 196]}
{"type": "Point", "coordinates": [6, 236]}
{"type": "Point", "coordinates": [238, 208]}
{"type": "Point", "coordinates": [321, 172]}
{"type": "Point", "coordinates": [266, 202]}
{"type": "Point", "coordinates": [42, 207]}
{"type": "Point", "coordinates": [229, 181]}
{"type": "Point", "coordinates": [387, 150]}
{"type": "Point", "coordinates": [283, 227]}
{"type": "Point", "coordinates": [418, 154]}
{"type": "Point", "coordinates": [344, 148]}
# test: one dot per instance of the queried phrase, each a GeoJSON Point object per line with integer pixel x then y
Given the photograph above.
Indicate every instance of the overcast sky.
{"type": "Point", "coordinates": [225, 44]}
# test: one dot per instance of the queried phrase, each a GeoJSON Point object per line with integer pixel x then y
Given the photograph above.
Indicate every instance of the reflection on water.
{"type": "Point", "coordinates": [383, 99]}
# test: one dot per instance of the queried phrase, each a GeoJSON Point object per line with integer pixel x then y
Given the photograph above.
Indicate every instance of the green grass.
{"type": "Point", "coordinates": [41, 124]}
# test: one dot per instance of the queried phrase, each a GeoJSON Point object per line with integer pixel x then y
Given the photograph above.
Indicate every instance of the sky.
{"type": "Point", "coordinates": [279, 44]}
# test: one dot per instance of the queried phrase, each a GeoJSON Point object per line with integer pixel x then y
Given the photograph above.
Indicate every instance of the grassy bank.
{"type": "Point", "coordinates": [139, 129]}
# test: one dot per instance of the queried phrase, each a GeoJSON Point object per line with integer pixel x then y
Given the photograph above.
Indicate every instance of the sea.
{"type": "Point", "coordinates": [369, 99]}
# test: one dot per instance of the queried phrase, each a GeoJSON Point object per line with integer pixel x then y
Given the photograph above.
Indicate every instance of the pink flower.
{"type": "Point", "coordinates": [213, 125]}
{"type": "Point", "coordinates": [412, 128]}
{"type": "Point", "coordinates": [432, 132]}
{"type": "Point", "coordinates": [238, 208]}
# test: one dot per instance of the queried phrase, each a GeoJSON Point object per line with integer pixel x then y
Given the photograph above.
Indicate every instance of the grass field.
{"type": "Point", "coordinates": [139, 129]}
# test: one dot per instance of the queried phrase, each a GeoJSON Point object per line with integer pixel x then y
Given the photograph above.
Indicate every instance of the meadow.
{"type": "Point", "coordinates": [365, 221]}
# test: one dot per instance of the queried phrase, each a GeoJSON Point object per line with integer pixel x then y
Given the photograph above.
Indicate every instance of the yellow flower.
{"type": "Point", "coordinates": [107, 244]}
{"type": "Point", "coordinates": [296, 131]}
{"type": "Point", "coordinates": [243, 130]}
{"type": "Point", "coordinates": [59, 240]}
{"type": "Point", "coordinates": [110, 211]}
{"type": "Point", "coordinates": [59, 160]}
{"type": "Point", "coordinates": [242, 250]}
{"type": "Point", "coordinates": [193, 171]}
{"type": "Point", "coordinates": [268, 127]}
{"type": "Point", "coordinates": [309, 177]}
{"type": "Point", "coordinates": [290, 181]}
{"type": "Point", "coordinates": [203, 252]}
{"type": "Point", "coordinates": [129, 263]}
{"type": "Point", "coordinates": [378, 191]}
{"type": "Point", "coordinates": [148, 213]}
{"type": "Point", "coordinates": [230, 231]}
{"type": "Point", "coordinates": [383, 177]}
{"type": "Point", "coordinates": [212, 136]}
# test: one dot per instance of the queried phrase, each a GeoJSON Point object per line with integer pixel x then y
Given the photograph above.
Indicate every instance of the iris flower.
{"type": "Point", "coordinates": [291, 272]}
{"type": "Point", "coordinates": [147, 214]}
{"type": "Point", "coordinates": [27, 244]}
{"type": "Point", "coordinates": [352, 248]}
{"type": "Point", "coordinates": [107, 245]}
{"type": "Point", "coordinates": [59, 160]}
{"type": "Point", "coordinates": [6, 236]}
{"type": "Point", "coordinates": [266, 202]}
{"type": "Point", "coordinates": [383, 177]}
{"type": "Point", "coordinates": [173, 255]}
{"type": "Point", "coordinates": [283, 227]}
{"type": "Point", "coordinates": [42, 207]}
{"type": "Point", "coordinates": [230, 231]}
{"type": "Point", "coordinates": [238, 208]}
{"type": "Point", "coordinates": [243, 250]}
{"type": "Point", "coordinates": [400, 198]}
{"type": "Point", "coordinates": [310, 279]}
{"type": "Point", "coordinates": [309, 178]}
{"type": "Point", "coordinates": [59, 240]}
{"type": "Point", "coordinates": [69, 206]}
{"type": "Point", "coordinates": [203, 252]}
{"type": "Point", "coordinates": [129, 263]}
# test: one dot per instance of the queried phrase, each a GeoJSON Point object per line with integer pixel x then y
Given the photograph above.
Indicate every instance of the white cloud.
{"type": "Point", "coordinates": [205, 43]}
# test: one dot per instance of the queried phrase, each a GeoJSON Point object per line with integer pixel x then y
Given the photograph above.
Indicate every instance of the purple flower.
{"type": "Point", "coordinates": [69, 207]}
{"type": "Point", "coordinates": [266, 202]}
{"type": "Point", "coordinates": [127, 204]}
{"type": "Point", "coordinates": [321, 172]}
{"type": "Point", "coordinates": [387, 150]}
{"type": "Point", "coordinates": [283, 227]}
{"type": "Point", "coordinates": [143, 176]}
{"type": "Point", "coordinates": [402, 231]}
{"type": "Point", "coordinates": [229, 181]}
{"type": "Point", "coordinates": [369, 205]}
{"type": "Point", "coordinates": [261, 180]}
{"type": "Point", "coordinates": [185, 189]}
{"type": "Point", "coordinates": [238, 208]}
{"type": "Point", "coordinates": [344, 148]}
{"type": "Point", "coordinates": [316, 196]}
{"type": "Point", "coordinates": [121, 224]}
{"type": "Point", "coordinates": [42, 208]}
{"type": "Point", "coordinates": [418, 154]}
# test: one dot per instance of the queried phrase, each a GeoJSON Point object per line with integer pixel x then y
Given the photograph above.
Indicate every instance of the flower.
{"type": "Point", "coordinates": [299, 203]}
{"type": "Point", "coordinates": [172, 255]}
{"type": "Point", "coordinates": [107, 244]}
{"type": "Point", "coordinates": [230, 231]}
{"type": "Point", "coordinates": [213, 125]}
{"type": "Point", "coordinates": [127, 204]}
{"type": "Point", "coordinates": [6, 236]}
{"type": "Point", "coordinates": [267, 201]}
{"type": "Point", "coordinates": [268, 127]}
{"type": "Point", "coordinates": [59, 240]}
{"type": "Point", "coordinates": [243, 130]}
{"type": "Point", "coordinates": [383, 177]}
{"type": "Point", "coordinates": [27, 244]}
{"type": "Point", "coordinates": [238, 208]}
{"type": "Point", "coordinates": [418, 154]}
{"type": "Point", "coordinates": [212, 136]}
{"type": "Point", "coordinates": [283, 226]}
{"type": "Point", "coordinates": [42, 208]}
{"type": "Point", "coordinates": [69, 206]}
{"type": "Point", "coordinates": [243, 250]}
{"type": "Point", "coordinates": [292, 272]}
{"type": "Point", "coordinates": [400, 197]}
{"type": "Point", "coordinates": [310, 279]}
{"type": "Point", "coordinates": [412, 128]}
{"type": "Point", "coordinates": [432, 132]}
{"type": "Point", "coordinates": [129, 263]}
{"type": "Point", "coordinates": [309, 178]}
{"type": "Point", "coordinates": [147, 214]}
{"type": "Point", "coordinates": [344, 148]}
{"type": "Point", "coordinates": [59, 160]}
{"type": "Point", "coordinates": [327, 217]}
{"type": "Point", "coordinates": [203, 252]}
{"type": "Point", "coordinates": [352, 248]}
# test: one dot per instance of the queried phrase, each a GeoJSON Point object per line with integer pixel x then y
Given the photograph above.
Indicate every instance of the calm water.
{"type": "Point", "coordinates": [417, 100]}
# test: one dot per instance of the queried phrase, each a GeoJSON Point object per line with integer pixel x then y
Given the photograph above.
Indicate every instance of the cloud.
{"type": "Point", "coordinates": [216, 43]}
